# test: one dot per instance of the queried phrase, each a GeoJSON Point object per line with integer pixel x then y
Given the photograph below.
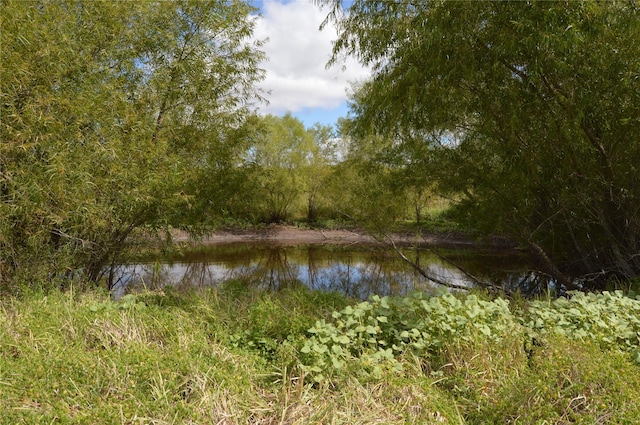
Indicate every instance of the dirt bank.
{"type": "Point", "coordinates": [290, 235]}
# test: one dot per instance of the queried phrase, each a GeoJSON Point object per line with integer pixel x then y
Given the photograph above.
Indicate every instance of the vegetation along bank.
{"type": "Point", "coordinates": [235, 356]}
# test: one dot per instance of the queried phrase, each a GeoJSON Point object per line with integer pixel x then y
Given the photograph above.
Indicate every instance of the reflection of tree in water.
{"type": "Point", "coordinates": [502, 270]}
{"type": "Point", "coordinates": [530, 283]}
{"type": "Point", "coordinates": [354, 271]}
{"type": "Point", "coordinates": [313, 263]}
{"type": "Point", "coordinates": [358, 276]}
{"type": "Point", "coordinates": [360, 280]}
{"type": "Point", "coordinates": [181, 275]}
{"type": "Point", "coordinates": [140, 276]}
{"type": "Point", "coordinates": [515, 274]}
{"type": "Point", "coordinates": [202, 274]}
{"type": "Point", "coordinates": [273, 270]}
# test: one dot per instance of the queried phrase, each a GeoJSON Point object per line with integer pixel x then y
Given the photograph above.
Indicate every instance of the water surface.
{"type": "Point", "coordinates": [355, 270]}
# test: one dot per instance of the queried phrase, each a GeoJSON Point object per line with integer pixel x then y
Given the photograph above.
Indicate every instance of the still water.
{"type": "Point", "coordinates": [355, 270]}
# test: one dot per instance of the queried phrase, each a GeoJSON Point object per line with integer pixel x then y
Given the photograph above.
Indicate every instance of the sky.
{"type": "Point", "coordinates": [297, 52]}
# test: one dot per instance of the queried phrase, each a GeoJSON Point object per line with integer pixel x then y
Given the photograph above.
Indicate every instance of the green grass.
{"type": "Point", "coordinates": [232, 356]}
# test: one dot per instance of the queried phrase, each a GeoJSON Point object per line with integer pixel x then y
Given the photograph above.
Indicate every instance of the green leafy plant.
{"type": "Point", "coordinates": [608, 318]}
{"type": "Point", "coordinates": [376, 332]}
{"type": "Point", "coordinates": [173, 361]}
{"type": "Point", "coordinates": [128, 302]}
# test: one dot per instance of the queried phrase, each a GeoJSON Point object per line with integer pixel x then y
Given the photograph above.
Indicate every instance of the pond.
{"type": "Point", "coordinates": [354, 270]}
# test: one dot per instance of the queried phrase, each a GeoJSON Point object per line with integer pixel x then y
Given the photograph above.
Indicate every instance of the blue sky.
{"type": "Point", "coordinates": [298, 51]}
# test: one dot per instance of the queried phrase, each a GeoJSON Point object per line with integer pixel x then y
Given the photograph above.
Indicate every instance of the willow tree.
{"type": "Point", "coordinates": [528, 111]}
{"type": "Point", "coordinates": [280, 160]}
{"type": "Point", "coordinates": [365, 185]}
{"type": "Point", "coordinates": [113, 113]}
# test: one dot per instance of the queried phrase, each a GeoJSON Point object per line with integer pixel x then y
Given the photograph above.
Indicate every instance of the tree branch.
{"type": "Point", "coordinates": [422, 271]}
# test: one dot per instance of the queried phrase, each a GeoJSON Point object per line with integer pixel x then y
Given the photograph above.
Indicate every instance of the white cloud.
{"type": "Point", "coordinates": [297, 53]}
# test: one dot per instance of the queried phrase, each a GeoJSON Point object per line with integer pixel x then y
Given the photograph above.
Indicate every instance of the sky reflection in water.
{"type": "Point", "coordinates": [356, 271]}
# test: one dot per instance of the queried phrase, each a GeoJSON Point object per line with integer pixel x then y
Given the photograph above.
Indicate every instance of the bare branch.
{"type": "Point", "coordinates": [420, 270]}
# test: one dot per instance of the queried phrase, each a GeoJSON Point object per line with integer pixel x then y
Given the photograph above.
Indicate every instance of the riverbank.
{"type": "Point", "coordinates": [292, 235]}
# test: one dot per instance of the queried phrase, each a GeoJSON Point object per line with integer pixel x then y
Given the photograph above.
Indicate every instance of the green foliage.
{"type": "Point", "coordinates": [128, 302]}
{"type": "Point", "coordinates": [527, 113]}
{"type": "Point", "coordinates": [174, 362]}
{"type": "Point", "coordinates": [565, 382]}
{"type": "Point", "coordinates": [105, 128]}
{"type": "Point", "coordinates": [378, 331]}
{"type": "Point", "coordinates": [62, 361]}
{"type": "Point", "coordinates": [285, 170]}
{"type": "Point", "coordinates": [231, 355]}
{"type": "Point", "coordinates": [274, 325]}
{"type": "Point", "coordinates": [371, 200]}
{"type": "Point", "coordinates": [610, 319]}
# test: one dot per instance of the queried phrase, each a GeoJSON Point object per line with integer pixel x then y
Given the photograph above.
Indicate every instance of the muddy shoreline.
{"type": "Point", "coordinates": [291, 235]}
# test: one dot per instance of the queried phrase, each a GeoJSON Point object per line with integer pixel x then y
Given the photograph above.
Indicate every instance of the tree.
{"type": "Point", "coordinates": [528, 111]}
{"type": "Point", "coordinates": [114, 115]}
{"type": "Point", "coordinates": [282, 160]}
{"type": "Point", "coordinates": [323, 156]}
{"type": "Point", "coordinates": [364, 185]}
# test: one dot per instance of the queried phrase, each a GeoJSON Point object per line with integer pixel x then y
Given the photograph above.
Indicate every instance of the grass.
{"type": "Point", "coordinates": [231, 356]}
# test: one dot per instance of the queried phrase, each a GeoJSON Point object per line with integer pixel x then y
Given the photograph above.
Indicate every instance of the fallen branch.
{"type": "Point", "coordinates": [552, 270]}
{"type": "Point", "coordinates": [471, 276]}
{"type": "Point", "coordinates": [421, 271]}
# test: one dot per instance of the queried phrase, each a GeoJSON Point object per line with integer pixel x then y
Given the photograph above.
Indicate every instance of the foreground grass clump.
{"type": "Point", "coordinates": [565, 382]}
{"type": "Point", "coordinates": [236, 356]}
{"type": "Point", "coordinates": [170, 358]}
